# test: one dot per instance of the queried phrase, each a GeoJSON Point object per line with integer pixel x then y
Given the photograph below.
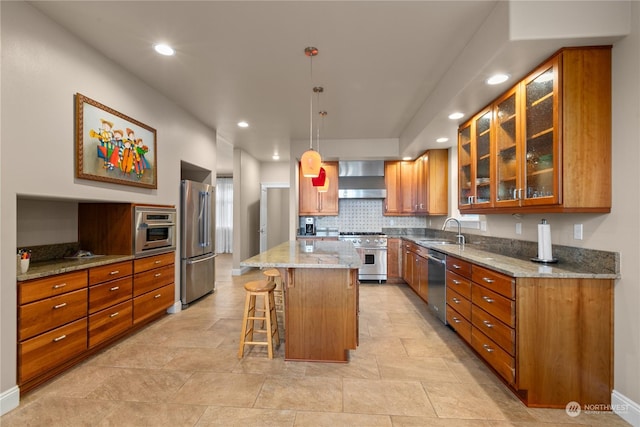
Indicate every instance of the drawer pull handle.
{"type": "Point", "coordinates": [157, 275]}
{"type": "Point", "coordinates": [157, 296]}
{"type": "Point", "coordinates": [487, 324]}
{"type": "Point", "coordinates": [114, 272]}
{"type": "Point", "coordinates": [55, 307]}
{"type": "Point", "coordinates": [157, 261]}
{"type": "Point", "coordinates": [456, 282]}
{"type": "Point", "coordinates": [487, 347]}
{"type": "Point", "coordinates": [486, 279]}
{"type": "Point", "coordinates": [114, 314]}
{"type": "Point", "coordinates": [115, 288]}
{"type": "Point", "coordinates": [455, 319]}
{"type": "Point", "coordinates": [60, 338]}
{"type": "Point", "coordinates": [59, 285]}
{"type": "Point", "coordinates": [487, 299]}
{"type": "Point", "coordinates": [456, 266]}
{"type": "Point", "coordinates": [456, 300]}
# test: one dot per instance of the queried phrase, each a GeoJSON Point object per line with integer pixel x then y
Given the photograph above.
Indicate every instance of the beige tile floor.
{"type": "Point", "coordinates": [183, 370]}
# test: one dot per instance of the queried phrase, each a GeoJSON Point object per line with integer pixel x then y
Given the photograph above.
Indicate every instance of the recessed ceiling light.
{"type": "Point", "coordinates": [406, 159]}
{"type": "Point", "coordinates": [275, 157]}
{"type": "Point", "coordinates": [456, 116]}
{"type": "Point", "coordinates": [443, 139]}
{"type": "Point", "coordinates": [496, 79]}
{"type": "Point", "coordinates": [243, 124]}
{"type": "Point", "coordinates": [164, 49]}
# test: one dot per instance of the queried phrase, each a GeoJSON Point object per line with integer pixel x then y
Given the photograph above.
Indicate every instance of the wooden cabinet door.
{"type": "Point", "coordinates": [483, 179]}
{"type": "Point", "coordinates": [508, 178]}
{"type": "Point", "coordinates": [422, 274]}
{"type": "Point", "coordinates": [421, 181]}
{"type": "Point", "coordinates": [466, 167]}
{"type": "Point", "coordinates": [407, 187]}
{"type": "Point", "coordinates": [407, 265]}
{"type": "Point", "coordinates": [311, 202]}
{"type": "Point", "coordinates": [392, 185]}
{"type": "Point", "coordinates": [394, 260]}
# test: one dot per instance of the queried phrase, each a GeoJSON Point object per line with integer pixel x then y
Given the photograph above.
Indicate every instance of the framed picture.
{"type": "Point", "coordinates": [112, 147]}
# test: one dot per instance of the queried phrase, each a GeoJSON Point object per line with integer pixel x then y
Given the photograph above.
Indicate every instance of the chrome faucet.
{"type": "Point", "coordinates": [459, 236]}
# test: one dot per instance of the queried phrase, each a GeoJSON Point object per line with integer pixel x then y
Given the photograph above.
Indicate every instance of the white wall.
{"type": "Point", "coordinates": [246, 207]}
{"type": "Point", "coordinates": [43, 66]}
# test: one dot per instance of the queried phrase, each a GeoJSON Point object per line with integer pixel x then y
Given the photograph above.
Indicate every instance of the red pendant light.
{"type": "Point", "coordinates": [319, 180]}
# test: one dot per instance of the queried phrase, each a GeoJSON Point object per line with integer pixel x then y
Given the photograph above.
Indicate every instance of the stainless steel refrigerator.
{"type": "Point", "coordinates": [197, 243]}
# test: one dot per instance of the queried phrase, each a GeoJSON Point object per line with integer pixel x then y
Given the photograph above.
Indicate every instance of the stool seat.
{"type": "Point", "coordinates": [273, 276]}
{"type": "Point", "coordinates": [263, 289]}
{"type": "Point", "coordinates": [272, 272]}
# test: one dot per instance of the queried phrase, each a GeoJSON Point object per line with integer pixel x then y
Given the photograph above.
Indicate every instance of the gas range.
{"type": "Point", "coordinates": [364, 239]}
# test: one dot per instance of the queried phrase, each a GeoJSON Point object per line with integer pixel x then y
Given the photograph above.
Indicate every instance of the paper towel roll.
{"type": "Point", "coordinates": [544, 242]}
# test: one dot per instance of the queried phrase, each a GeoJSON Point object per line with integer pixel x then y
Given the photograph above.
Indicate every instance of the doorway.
{"type": "Point", "coordinates": [274, 215]}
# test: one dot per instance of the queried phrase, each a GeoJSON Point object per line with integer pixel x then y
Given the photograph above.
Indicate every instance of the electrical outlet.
{"type": "Point", "coordinates": [577, 231]}
{"type": "Point", "coordinates": [518, 228]}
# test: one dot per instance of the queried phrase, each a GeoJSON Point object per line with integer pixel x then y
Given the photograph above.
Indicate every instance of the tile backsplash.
{"type": "Point", "coordinates": [365, 215]}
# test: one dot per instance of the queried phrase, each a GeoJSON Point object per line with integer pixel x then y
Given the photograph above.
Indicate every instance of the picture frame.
{"type": "Point", "coordinates": [113, 147]}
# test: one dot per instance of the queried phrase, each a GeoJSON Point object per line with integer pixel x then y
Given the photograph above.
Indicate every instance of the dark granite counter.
{"type": "Point", "coordinates": [580, 263]}
{"type": "Point", "coordinates": [41, 269]}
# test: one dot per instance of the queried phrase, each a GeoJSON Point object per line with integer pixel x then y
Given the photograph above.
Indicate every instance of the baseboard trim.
{"type": "Point", "coordinates": [9, 399]}
{"type": "Point", "coordinates": [240, 271]}
{"type": "Point", "coordinates": [175, 308]}
{"type": "Point", "coordinates": [626, 408]}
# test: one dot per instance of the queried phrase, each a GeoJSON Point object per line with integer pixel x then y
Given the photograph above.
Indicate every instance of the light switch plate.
{"type": "Point", "coordinates": [518, 228]}
{"type": "Point", "coordinates": [577, 231]}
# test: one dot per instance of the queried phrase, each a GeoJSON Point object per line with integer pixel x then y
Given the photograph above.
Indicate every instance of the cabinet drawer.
{"type": "Point", "coordinates": [110, 272]}
{"type": "Point", "coordinates": [459, 303]}
{"type": "Point", "coordinates": [461, 267]}
{"type": "Point", "coordinates": [499, 359]}
{"type": "Point", "coordinates": [153, 279]}
{"type": "Point", "coordinates": [50, 313]}
{"type": "Point", "coordinates": [494, 304]}
{"type": "Point", "coordinates": [459, 284]}
{"type": "Point", "coordinates": [107, 294]}
{"type": "Point", "coordinates": [148, 263]}
{"type": "Point", "coordinates": [152, 303]}
{"type": "Point", "coordinates": [502, 334]}
{"type": "Point", "coordinates": [459, 324]}
{"type": "Point", "coordinates": [494, 281]}
{"type": "Point", "coordinates": [33, 290]}
{"type": "Point", "coordinates": [110, 322]}
{"type": "Point", "coordinates": [44, 352]}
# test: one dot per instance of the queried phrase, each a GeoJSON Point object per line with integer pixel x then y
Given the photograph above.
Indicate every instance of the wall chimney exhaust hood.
{"type": "Point", "coordinates": [361, 179]}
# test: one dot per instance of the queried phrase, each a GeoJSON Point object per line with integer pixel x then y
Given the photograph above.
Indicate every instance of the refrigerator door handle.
{"type": "Point", "coordinates": [202, 218]}
{"type": "Point", "coordinates": [207, 219]}
{"type": "Point", "coordinates": [201, 259]}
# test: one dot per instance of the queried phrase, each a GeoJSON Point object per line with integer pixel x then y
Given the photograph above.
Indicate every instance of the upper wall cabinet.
{"type": "Point", "coordinates": [549, 139]}
{"type": "Point", "coordinates": [312, 202]}
{"type": "Point", "coordinates": [418, 187]}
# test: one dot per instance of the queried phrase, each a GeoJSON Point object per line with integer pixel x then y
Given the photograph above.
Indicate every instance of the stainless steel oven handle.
{"type": "Point", "coordinates": [165, 224]}
{"type": "Point", "coordinates": [438, 260]}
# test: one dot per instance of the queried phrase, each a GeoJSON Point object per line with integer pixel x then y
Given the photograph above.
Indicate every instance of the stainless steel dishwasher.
{"type": "Point", "coordinates": [437, 286]}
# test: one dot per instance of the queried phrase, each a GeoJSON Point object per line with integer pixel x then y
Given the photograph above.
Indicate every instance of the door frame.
{"type": "Point", "coordinates": [263, 210]}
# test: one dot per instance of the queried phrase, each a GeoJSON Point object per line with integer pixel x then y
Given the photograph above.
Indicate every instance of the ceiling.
{"type": "Point", "coordinates": [391, 70]}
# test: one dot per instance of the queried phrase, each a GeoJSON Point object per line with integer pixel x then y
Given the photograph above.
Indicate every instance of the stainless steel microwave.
{"type": "Point", "coordinates": [154, 230]}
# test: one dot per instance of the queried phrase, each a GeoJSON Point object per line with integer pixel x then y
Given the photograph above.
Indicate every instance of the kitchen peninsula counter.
{"type": "Point", "coordinates": [320, 281]}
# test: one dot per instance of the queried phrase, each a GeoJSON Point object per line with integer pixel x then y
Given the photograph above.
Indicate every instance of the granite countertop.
{"type": "Point", "coordinates": [41, 269]}
{"type": "Point", "coordinates": [307, 254]}
{"type": "Point", "coordinates": [512, 266]}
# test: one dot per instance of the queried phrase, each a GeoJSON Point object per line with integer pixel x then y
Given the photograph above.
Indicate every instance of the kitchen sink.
{"type": "Point", "coordinates": [436, 242]}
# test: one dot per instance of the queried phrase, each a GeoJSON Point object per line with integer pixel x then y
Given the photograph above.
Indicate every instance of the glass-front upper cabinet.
{"type": "Point", "coordinates": [465, 172]}
{"type": "Point", "coordinates": [541, 137]}
{"type": "Point", "coordinates": [508, 149]}
{"type": "Point", "coordinates": [482, 137]}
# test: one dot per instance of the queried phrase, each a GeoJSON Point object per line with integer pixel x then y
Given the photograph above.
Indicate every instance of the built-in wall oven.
{"type": "Point", "coordinates": [154, 230]}
{"type": "Point", "coordinates": [372, 248]}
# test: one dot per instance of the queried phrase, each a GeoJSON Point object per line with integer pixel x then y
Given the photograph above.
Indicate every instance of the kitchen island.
{"type": "Point", "coordinates": [320, 281]}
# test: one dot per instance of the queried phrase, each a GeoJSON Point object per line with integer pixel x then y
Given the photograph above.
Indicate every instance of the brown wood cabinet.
{"type": "Point", "coordinates": [312, 202]}
{"type": "Point", "coordinates": [415, 268]}
{"type": "Point", "coordinates": [52, 323]}
{"type": "Point", "coordinates": [321, 314]}
{"type": "Point", "coordinates": [64, 318]}
{"type": "Point", "coordinates": [153, 286]}
{"type": "Point", "coordinates": [418, 187]}
{"type": "Point", "coordinates": [394, 260]}
{"type": "Point", "coordinates": [531, 330]}
{"type": "Point", "coordinates": [110, 307]}
{"type": "Point", "coordinates": [532, 148]}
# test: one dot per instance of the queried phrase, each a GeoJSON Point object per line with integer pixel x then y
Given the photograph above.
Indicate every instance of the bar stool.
{"type": "Point", "coordinates": [264, 289]}
{"type": "Point", "coordinates": [273, 275]}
